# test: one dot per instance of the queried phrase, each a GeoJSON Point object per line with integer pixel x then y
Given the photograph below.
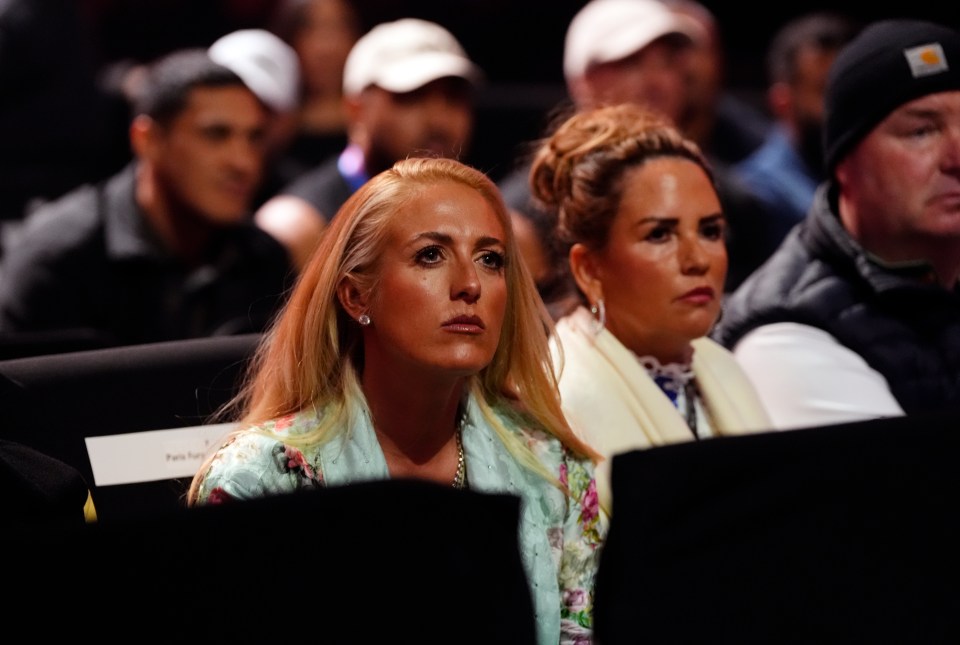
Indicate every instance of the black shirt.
{"type": "Point", "coordinates": [90, 261]}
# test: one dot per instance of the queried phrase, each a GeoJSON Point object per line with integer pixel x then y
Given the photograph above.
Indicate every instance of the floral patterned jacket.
{"type": "Point", "coordinates": [560, 534]}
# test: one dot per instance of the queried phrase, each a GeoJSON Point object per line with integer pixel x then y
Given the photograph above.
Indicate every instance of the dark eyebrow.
{"type": "Point", "coordinates": [922, 112]}
{"type": "Point", "coordinates": [215, 128]}
{"type": "Point", "coordinates": [443, 238]}
{"type": "Point", "coordinates": [657, 220]}
{"type": "Point", "coordinates": [673, 221]}
{"type": "Point", "coordinates": [489, 241]}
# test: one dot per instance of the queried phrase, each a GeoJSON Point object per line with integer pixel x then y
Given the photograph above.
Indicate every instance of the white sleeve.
{"type": "Point", "coordinates": [805, 377]}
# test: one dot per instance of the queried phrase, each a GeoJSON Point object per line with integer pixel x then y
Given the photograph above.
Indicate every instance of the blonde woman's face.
{"type": "Point", "coordinates": [663, 269]}
{"type": "Point", "coordinates": [442, 294]}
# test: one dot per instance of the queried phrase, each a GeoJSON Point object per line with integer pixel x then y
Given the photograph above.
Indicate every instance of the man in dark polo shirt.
{"type": "Point", "coordinates": [165, 249]}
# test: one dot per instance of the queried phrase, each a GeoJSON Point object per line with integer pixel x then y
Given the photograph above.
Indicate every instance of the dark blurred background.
{"type": "Point", "coordinates": [518, 43]}
{"type": "Point", "coordinates": [514, 40]}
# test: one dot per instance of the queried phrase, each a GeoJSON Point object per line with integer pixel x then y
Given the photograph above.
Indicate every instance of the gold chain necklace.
{"type": "Point", "coordinates": [460, 480]}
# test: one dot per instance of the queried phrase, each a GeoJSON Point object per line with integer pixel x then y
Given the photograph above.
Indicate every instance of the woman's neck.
{"type": "Point", "coordinates": [666, 345]}
{"type": "Point", "coordinates": [416, 423]}
{"type": "Point", "coordinates": [665, 355]}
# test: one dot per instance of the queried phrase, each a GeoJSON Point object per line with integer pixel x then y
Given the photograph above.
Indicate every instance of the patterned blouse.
{"type": "Point", "coordinates": [560, 534]}
{"type": "Point", "coordinates": [679, 383]}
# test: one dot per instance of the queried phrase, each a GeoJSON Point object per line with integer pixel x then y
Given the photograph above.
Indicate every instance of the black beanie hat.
{"type": "Point", "coordinates": [889, 63]}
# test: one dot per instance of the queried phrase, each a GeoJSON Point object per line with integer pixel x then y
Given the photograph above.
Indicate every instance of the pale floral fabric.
{"type": "Point", "coordinates": [560, 534]}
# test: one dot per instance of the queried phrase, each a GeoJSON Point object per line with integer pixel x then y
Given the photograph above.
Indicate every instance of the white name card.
{"type": "Point", "coordinates": [152, 455]}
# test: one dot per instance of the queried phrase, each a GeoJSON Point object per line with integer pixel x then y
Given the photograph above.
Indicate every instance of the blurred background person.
{"type": "Point", "coordinates": [271, 69]}
{"type": "Point", "coordinates": [415, 346]}
{"type": "Point", "coordinates": [321, 32]}
{"type": "Point", "coordinates": [643, 226]}
{"type": "Point", "coordinates": [785, 171]}
{"type": "Point", "coordinates": [165, 248]}
{"type": "Point", "coordinates": [726, 126]}
{"type": "Point", "coordinates": [857, 315]}
{"type": "Point", "coordinates": [409, 90]}
{"type": "Point", "coordinates": [129, 35]}
{"type": "Point", "coordinates": [628, 51]}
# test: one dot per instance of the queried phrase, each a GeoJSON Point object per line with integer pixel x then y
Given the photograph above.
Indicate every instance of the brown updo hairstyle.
{"type": "Point", "coordinates": [577, 171]}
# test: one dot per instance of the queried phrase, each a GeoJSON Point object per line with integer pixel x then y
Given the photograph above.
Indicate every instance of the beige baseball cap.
{"type": "Point", "coordinates": [608, 30]}
{"type": "Point", "coordinates": [404, 55]}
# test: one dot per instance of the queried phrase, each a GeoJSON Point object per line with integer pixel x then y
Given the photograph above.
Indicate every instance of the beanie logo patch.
{"type": "Point", "coordinates": [926, 60]}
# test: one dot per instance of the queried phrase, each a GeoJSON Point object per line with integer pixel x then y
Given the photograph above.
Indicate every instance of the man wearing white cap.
{"type": "Point", "coordinates": [631, 51]}
{"type": "Point", "coordinates": [408, 89]}
{"type": "Point", "coordinates": [271, 69]}
{"type": "Point", "coordinates": [267, 65]}
{"type": "Point", "coordinates": [628, 51]}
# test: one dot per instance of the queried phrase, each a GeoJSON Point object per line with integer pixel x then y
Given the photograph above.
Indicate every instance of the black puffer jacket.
{"type": "Point", "coordinates": [898, 319]}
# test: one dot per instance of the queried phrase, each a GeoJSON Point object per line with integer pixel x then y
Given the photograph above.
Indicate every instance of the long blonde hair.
{"type": "Point", "coordinates": [312, 354]}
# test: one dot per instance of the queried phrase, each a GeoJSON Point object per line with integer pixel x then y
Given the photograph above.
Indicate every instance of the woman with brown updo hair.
{"type": "Point", "coordinates": [638, 214]}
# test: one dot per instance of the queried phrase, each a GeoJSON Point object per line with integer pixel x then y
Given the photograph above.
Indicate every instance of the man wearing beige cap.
{"type": "Point", "coordinates": [408, 90]}
{"type": "Point", "coordinates": [631, 51]}
{"type": "Point", "coordinates": [628, 51]}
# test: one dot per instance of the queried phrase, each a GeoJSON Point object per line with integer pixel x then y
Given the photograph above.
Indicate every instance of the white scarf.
{"type": "Point", "coordinates": [613, 405]}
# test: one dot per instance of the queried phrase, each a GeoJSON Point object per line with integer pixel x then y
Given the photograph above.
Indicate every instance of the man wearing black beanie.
{"type": "Point", "coordinates": [857, 314]}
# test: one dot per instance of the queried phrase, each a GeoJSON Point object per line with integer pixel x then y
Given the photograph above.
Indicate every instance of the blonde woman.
{"type": "Point", "coordinates": [415, 345]}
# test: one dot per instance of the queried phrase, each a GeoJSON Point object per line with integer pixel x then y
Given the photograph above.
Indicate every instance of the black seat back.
{"type": "Point", "coordinates": [838, 534]}
{"type": "Point", "coordinates": [383, 562]}
{"type": "Point", "coordinates": [55, 402]}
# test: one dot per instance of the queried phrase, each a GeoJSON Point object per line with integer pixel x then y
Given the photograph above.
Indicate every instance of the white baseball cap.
{"type": "Point", "coordinates": [404, 55]}
{"type": "Point", "coordinates": [608, 30]}
{"type": "Point", "coordinates": [266, 64]}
